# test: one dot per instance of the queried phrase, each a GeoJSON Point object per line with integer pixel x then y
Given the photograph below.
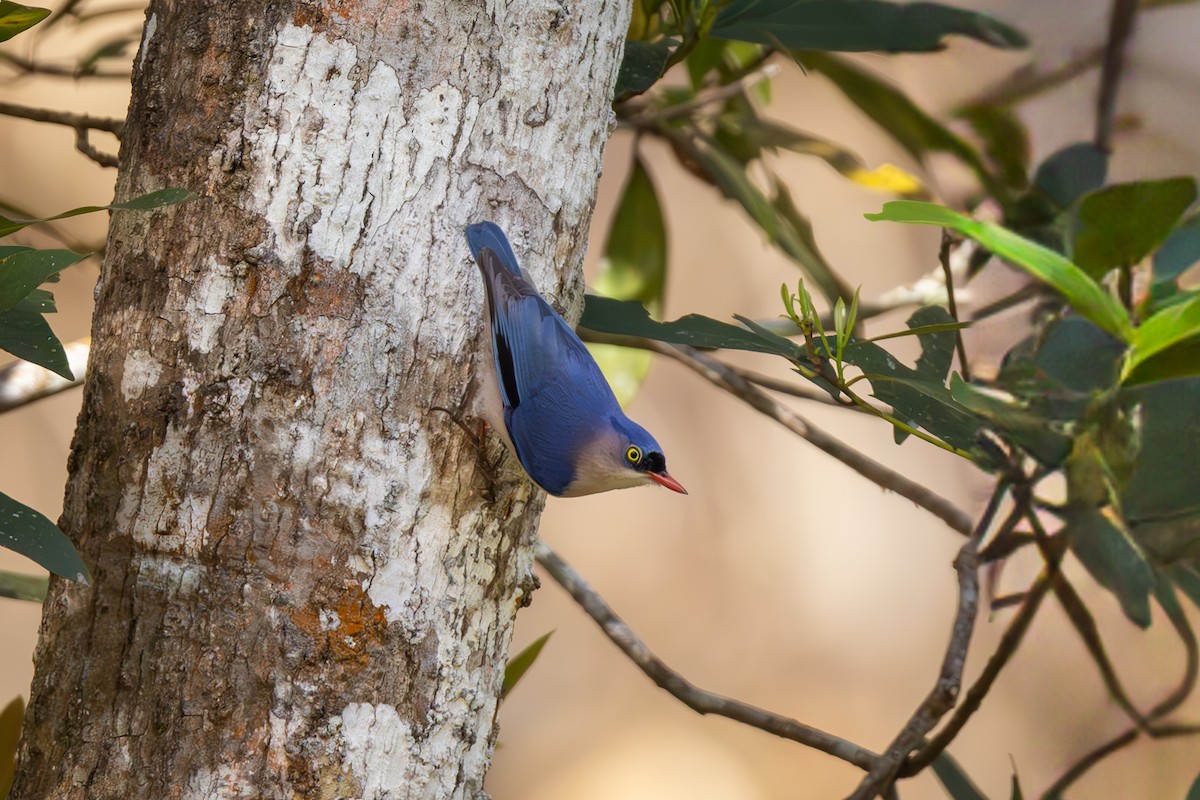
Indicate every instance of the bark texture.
{"type": "Point", "coordinates": [299, 588]}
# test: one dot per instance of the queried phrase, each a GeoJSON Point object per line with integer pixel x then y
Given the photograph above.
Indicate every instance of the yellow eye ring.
{"type": "Point", "coordinates": [633, 455]}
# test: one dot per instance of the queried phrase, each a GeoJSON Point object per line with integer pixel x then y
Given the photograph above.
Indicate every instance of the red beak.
{"type": "Point", "coordinates": [663, 479]}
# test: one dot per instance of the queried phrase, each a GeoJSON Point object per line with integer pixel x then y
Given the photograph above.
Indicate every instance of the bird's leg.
{"type": "Point", "coordinates": [488, 468]}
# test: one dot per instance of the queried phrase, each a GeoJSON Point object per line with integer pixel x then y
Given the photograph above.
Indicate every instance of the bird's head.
{"type": "Point", "coordinates": [621, 456]}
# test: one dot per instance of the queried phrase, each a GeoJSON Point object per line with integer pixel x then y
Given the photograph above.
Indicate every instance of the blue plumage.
{"type": "Point", "coordinates": [558, 413]}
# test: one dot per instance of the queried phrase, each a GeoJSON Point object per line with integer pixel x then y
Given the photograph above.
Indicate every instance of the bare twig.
{"type": "Point", "coordinates": [78, 121]}
{"type": "Point", "coordinates": [793, 389]}
{"type": "Point", "coordinates": [693, 697]}
{"type": "Point", "coordinates": [27, 67]}
{"type": "Point", "coordinates": [1027, 83]}
{"type": "Point", "coordinates": [945, 691]}
{"type": "Point", "coordinates": [646, 117]}
{"type": "Point", "coordinates": [21, 382]}
{"type": "Point", "coordinates": [944, 259]}
{"type": "Point", "coordinates": [1118, 742]}
{"type": "Point", "coordinates": [728, 379]}
{"type": "Point", "coordinates": [88, 149]}
{"type": "Point", "coordinates": [1120, 29]}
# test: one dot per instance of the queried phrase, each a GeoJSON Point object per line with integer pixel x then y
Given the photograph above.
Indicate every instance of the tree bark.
{"type": "Point", "coordinates": [300, 588]}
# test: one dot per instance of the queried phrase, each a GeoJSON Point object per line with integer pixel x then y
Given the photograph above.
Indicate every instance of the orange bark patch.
{"type": "Point", "coordinates": [348, 628]}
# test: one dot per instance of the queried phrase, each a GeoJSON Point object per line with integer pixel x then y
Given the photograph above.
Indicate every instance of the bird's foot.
{"type": "Point", "coordinates": [489, 468]}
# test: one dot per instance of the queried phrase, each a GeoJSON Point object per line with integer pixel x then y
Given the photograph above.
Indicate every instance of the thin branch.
{"type": "Point", "coordinates": [793, 389]}
{"type": "Point", "coordinates": [1120, 29]}
{"type": "Point", "coordinates": [88, 149]}
{"type": "Point", "coordinates": [1007, 648]}
{"type": "Point", "coordinates": [944, 259]}
{"type": "Point", "coordinates": [720, 375]}
{"type": "Point", "coordinates": [1027, 83]}
{"type": "Point", "coordinates": [648, 117]}
{"type": "Point", "coordinates": [78, 121]}
{"type": "Point", "coordinates": [22, 382]}
{"type": "Point", "coordinates": [945, 691]}
{"type": "Point", "coordinates": [27, 67]}
{"type": "Point", "coordinates": [1118, 742]}
{"type": "Point", "coordinates": [693, 697]}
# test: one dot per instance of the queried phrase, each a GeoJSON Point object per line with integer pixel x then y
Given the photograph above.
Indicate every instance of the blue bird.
{"type": "Point", "coordinates": [545, 395]}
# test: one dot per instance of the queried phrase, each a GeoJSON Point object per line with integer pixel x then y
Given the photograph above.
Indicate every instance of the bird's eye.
{"type": "Point", "coordinates": [633, 455]}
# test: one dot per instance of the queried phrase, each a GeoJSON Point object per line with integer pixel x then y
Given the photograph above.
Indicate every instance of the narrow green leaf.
{"type": "Point", "coordinates": [29, 533]}
{"type": "Point", "coordinates": [25, 333]}
{"type": "Point", "coordinates": [922, 330]}
{"type": "Point", "coordinates": [146, 202]}
{"type": "Point", "coordinates": [19, 586]}
{"type": "Point", "coordinates": [1122, 224]}
{"type": "Point", "coordinates": [15, 18]}
{"type": "Point", "coordinates": [1171, 326]}
{"type": "Point", "coordinates": [1194, 792]}
{"type": "Point", "coordinates": [1005, 140]}
{"type": "Point", "coordinates": [1071, 173]}
{"type": "Point", "coordinates": [629, 318]}
{"type": "Point", "coordinates": [899, 117]}
{"type": "Point", "coordinates": [858, 26]}
{"type": "Point", "coordinates": [519, 664]}
{"type": "Point", "coordinates": [1165, 481]}
{"type": "Point", "coordinates": [22, 272]}
{"type": "Point", "coordinates": [10, 736]}
{"type": "Point", "coordinates": [1113, 559]}
{"type": "Point", "coordinates": [1015, 791]}
{"type": "Point", "coordinates": [1084, 295]}
{"type": "Point", "coordinates": [954, 780]}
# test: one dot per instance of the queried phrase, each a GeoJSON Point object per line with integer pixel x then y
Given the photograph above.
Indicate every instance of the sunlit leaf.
{"type": "Point", "coordinates": [1122, 224]}
{"type": "Point", "coordinates": [633, 268]}
{"type": "Point", "coordinates": [519, 664]}
{"type": "Point", "coordinates": [29, 533]}
{"type": "Point", "coordinates": [25, 333]}
{"type": "Point", "coordinates": [146, 202]}
{"type": "Point", "coordinates": [857, 26]}
{"type": "Point", "coordinates": [15, 18]}
{"type": "Point", "coordinates": [1169, 327]}
{"type": "Point", "coordinates": [1083, 294]}
{"type": "Point", "coordinates": [24, 271]}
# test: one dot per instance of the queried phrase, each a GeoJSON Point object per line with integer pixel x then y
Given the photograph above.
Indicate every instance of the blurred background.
{"type": "Point", "coordinates": [784, 579]}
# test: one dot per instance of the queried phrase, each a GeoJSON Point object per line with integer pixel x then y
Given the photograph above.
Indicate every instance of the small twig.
{"type": "Point", "coordinates": [945, 691]}
{"type": "Point", "coordinates": [1005, 650]}
{"type": "Point", "coordinates": [722, 376]}
{"type": "Point", "coordinates": [648, 117]}
{"type": "Point", "coordinates": [28, 67]}
{"type": "Point", "coordinates": [88, 149]}
{"type": "Point", "coordinates": [1027, 83]}
{"type": "Point", "coordinates": [794, 389]}
{"type": "Point", "coordinates": [107, 124]}
{"type": "Point", "coordinates": [944, 259]}
{"type": "Point", "coordinates": [22, 382]}
{"type": "Point", "coordinates": [1120, 29]}
{"type": "Point", "coordinates": [1118, 742]}
{"type": "Point", "coordinates": [693, 697]}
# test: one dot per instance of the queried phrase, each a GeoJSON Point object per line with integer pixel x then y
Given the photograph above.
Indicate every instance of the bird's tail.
{"type": "Point", "coordinates": [487, 235]}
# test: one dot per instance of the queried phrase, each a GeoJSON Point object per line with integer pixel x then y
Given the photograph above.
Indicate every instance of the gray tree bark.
{"type": "Point", "coordinates": [299, 588]}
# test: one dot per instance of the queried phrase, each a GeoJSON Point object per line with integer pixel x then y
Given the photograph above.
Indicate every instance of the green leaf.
{"type": "Point", "coordinates": [1005, 140]}
{"type": "Point", "coordinates": [1022, 423]}
{"type": "Point", "coordinates": [10, 736]}
{"type": "Point", "coordinates": [19, 586]}
{"type": "Point", "coordinates": [1173, 325]}
{"type": "Point", "coordinates": [901, 118]}
{"type": "Point", "coordinates": [1180, 251]}
{"type": "Point", "coordinates": [1015, 792]}
{"type": "Point", "coordinates": [1165, 481]}
{"type": "Point", "coordinates": [641, 66]}
{"type": "Point", "coordinates": [1187, 578]}
{"type": "Point", "coordinates": [1122, 224]}
{"type": "Point", "coordinates": [1177, 361]}
{"type": "Point", "coordinates": [1113, 559]}
{"type": "Point", "coordinates": [1071, 173]}
{"type": "Point", "coordinates": [25, 333]}
{"type": "Point", "coordinates": [1194, 792]}
{"type": "Point", "coordinates": [1079, 355]}
{"type": "Point", "coordinates": [22, 272]}
{"type": "Point", "coordinates": [1083, 294]}
{"type": "Point", "coordinates": [15, 18]}
{"type": "Point", "coordinates": [146, 202]}
{"type": "Point", "coordinates": [954, 780]}
{"type": "Point", "coordinates": [629, 318]}
{"type": "Point", "coordinates": [519, 664]}
{"type": "Point", "coordinates": [29, 533]}
{"type": "Point", "coordinates": [857, 26]}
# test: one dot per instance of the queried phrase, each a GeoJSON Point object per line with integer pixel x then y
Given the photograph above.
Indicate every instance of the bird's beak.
{"type": "Point", "coordinates": [663, 479]}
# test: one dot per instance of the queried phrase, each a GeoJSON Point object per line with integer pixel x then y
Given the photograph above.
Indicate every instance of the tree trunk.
{"type": "Point", "coordinates": [300, 588]}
